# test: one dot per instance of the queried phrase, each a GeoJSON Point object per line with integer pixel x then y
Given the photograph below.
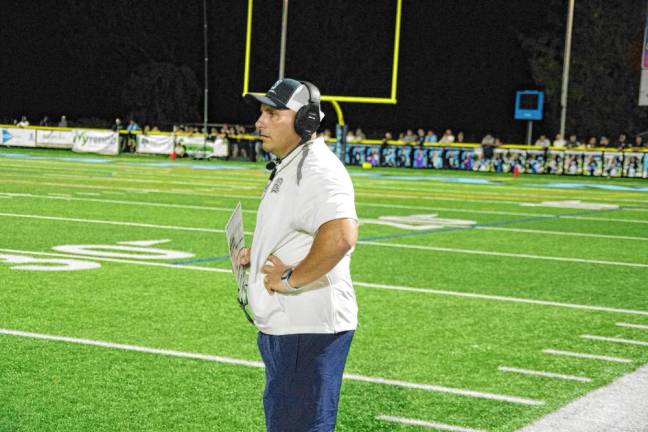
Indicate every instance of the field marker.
{"type": "Point", "coordinates": [587, 356]}
{"type": "Point", "coordinates": [500, 298]}
{"type": "Point", "coordinates": [544, 374]}
{"type": "Point", "coordinates": [635, 326]}
{"type": "Point", "coordinates": [604, 219]}
{"type": "Point", "coordinates": [617, 340]}
{"type": "Point", "coordinates": [560, 233]}
{"type": "Point", "coordinates": [128, 202]}
{"type": "Point", "coordinates": [119, 260]}
{"type": "Point", "coordinates": [502, 254]}
{"type": "Point", "coordinates": [428, 424]}
{"type": "Point", "coordinates": [105, 222]}
{"type": "Point", "coordinates": [257, 364]}
{"type": "Point", "coordinates": [361, 284]}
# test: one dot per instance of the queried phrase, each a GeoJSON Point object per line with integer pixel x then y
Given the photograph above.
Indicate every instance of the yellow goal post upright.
{"type": "Point", "coordinates": [335, 100]}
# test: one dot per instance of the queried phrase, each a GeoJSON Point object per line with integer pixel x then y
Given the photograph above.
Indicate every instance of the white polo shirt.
{"type": "Point", "coordinates": [311, 187]}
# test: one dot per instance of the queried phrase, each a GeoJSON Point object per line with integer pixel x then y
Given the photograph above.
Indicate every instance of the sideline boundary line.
{"type": "Point", "coordinates": [425, 423]}
{"type": "Point", "coordinates": [358, 284]}
{"type": "Point", "coordinates": [258, 364]}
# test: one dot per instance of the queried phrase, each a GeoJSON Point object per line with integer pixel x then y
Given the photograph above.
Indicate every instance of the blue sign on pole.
{"type": "Point", "coordinates": [529, 104]}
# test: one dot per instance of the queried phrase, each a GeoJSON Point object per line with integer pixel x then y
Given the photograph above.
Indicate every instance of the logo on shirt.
{"type": "Point", "coordinates": [277, 185]}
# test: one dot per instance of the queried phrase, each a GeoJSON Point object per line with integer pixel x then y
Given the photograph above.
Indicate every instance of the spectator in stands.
{"type": "Point", "coordinates": [622, 142]}
{"type": "Point", "coordinates": [573, 141]}
{"type": "Point", "coordinates": [350, 136]}
{"type": "Point", "coordinates": [488, 146]}
{"type": "Point", "coordinates": [559, 142]}
{"type": "Point", "coordinates": [409, 136]}
{"type": "Point", "coordinates": [359, 134]}
{"type": "Point", "coordinates": [117, 127]}
{"type": "Point", "coordinates": [132, 129]}
{"type": "Point", "coordinates": [420, 136]}
{"type": "Point", "coordinates": [44, 122]}
{"type": "Point", "coordinates": [638, 142]}
{"type": "Point", "coordinates": [592, 142]}
{"type": "Point", "coordinates": [543, 142]}
{"type": "Point", "coordinates": [23, 122]}
{"type": "Point", "coordinates": [431, 137]}
{"type": "Point", "coordinates": [604, 142]}
{"type": "Point", "coordinates": [326, 134]}
{"type": "Point", "coordinates": [460, 137]}
{"type": "Point", "coordinates": [155, 129]}
{"type": "Point", "coordinates": [63, 122]}
{"type": "Point", "coordinates": [447, 137]}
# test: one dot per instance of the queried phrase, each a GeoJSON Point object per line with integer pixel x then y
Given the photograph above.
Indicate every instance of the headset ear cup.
{"type": "Point", "coordinates": [307, 120]}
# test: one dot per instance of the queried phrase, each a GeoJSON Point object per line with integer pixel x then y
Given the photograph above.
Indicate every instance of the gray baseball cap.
{"type": "Point", "coordinates": [286, 93]}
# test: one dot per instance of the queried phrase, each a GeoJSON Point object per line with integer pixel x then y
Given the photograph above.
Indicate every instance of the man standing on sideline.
{"type": "Point", "coordinates": [300, 289]}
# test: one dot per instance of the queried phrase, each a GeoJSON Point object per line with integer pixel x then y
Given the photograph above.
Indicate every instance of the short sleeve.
{"type": "Point", "coordinates": [324, 197]}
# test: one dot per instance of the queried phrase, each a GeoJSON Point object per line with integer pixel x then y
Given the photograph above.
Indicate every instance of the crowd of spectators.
{"type": "Point", "coordinates": [241, 148]}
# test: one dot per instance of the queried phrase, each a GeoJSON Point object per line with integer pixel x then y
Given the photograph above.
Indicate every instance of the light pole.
{"type": "Point", "coordinates": [565, 80]}
{"type": "Point", "coordinates": [284, 31]}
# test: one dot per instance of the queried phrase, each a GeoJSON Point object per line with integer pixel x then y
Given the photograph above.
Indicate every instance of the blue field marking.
{"type": "Point", "coordinates": [464, 180]}
{"type": "Point", "coordinates": [63, 158]}
{"type": "Point", "coordinates": [611, 187]}
{"type": "Point", "coordinates": [199, 260]}
{"type": "Point", "coordinates": [472, 227]}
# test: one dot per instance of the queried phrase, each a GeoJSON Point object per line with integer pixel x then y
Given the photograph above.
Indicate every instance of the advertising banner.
{"type": "Point", "coordinates": [155, 144]}
{"type": "Point", "coordinates": [54, 139]}
{"type": "Point", "coordinates": [196, 146]}
{"type": "Point", "coordinates": [633, 164]}
{"type": "Point", "coordinates": [573, 162]}
{"type": "Point", "coordinates": [93, 141]}
{"type": "Point", "coordinates": [535, 161]}
{"type": "Point", "coordinates": [593, 164]}
{"type": "Point", "coordinates": [18, 137]}
{"type": "Point", "coordinates": [613, 164]}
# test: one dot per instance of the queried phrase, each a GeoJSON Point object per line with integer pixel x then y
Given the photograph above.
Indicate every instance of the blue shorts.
{"type": "Point", "coordinates": [303, 380]}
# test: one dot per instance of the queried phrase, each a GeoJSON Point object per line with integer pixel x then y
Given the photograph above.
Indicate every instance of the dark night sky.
{"type": "Point", "coordinates": [460, 61]}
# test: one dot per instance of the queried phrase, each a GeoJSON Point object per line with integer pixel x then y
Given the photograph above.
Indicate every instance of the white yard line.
{"type": "Point", "coordinates": [106, 222]}
{"type": "Point", "coordinates": [634, 326]}
{"type": "Point", "coordinates": [456, 210]}
{"type": "Point", "coordinates": [127, 202]}
{"type": "Point", "coordinates": [544, 374]}
{"type": "Point", "coordinates": [503, 254]}
{"type": "Point", "coordinates": [118, 260]}
{"type": "Point", "coordinates": [356, 283]}
{"type": "Point", "coordinates": [257, 364]}
{"type": "Point", "coordinates": [587, 356]}
{"type": "Point", "coordinates": [561, 233]}
{"type": "Point", "coordinates": [500, 298]}
{"type": "Point", "coordinates": [615, 340]}
{"type": "Point", "coordinates": [427, 424]}
{"type": "Point", "coordinates": [636, 221]}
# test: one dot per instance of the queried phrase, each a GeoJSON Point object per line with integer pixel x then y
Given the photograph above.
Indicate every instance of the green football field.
{"type": "Point", "coordinates": [486, 301]}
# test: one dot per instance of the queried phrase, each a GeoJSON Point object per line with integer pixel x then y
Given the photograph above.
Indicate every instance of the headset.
{"type": "Point", "coordinates": [307, 120]}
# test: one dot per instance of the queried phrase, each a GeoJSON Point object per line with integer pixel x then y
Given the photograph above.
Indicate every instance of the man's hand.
{"type": "Point", "coordinates": [272, 279]}
{"type": "Point", "coordinates": [243, 257]}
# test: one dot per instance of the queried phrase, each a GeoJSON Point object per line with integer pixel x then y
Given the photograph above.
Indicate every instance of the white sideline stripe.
{"type": "Point", "coordinates": [635, 326]}
{"type": "Point", "coordinates": [428, 424]}
{"type": "Point", "coordinates": [257, 364]}
{"type": "Point", "coordinates": [544, 374]}
{"type": "Point", "coordinates": [226, 209]}
{"type": "Point", "coordinates": [118, 260]}
{"type": "Point", "coordinates": [456, 210]}
{"type": "Point", "coordinates": [127, 202]}
{"type": "Point", "coordinates": [105, 222]}
{"type": "Point", "coordinates": [617, 340]}
{"type": "Point", "coordinates": [605, 219]}
{"type": "Point", "coordinates": [501, 298]}
{"type": "Point", "coordinates": [443, 389]}
{"type": "Point", "coordinates": [587, 356]}
{"type": "Point", "coordinates": [561, 233]}
{"type": "Point", "coordinates": [356, 283]}
{"type": "Point", "coordinates": [504, 254]}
